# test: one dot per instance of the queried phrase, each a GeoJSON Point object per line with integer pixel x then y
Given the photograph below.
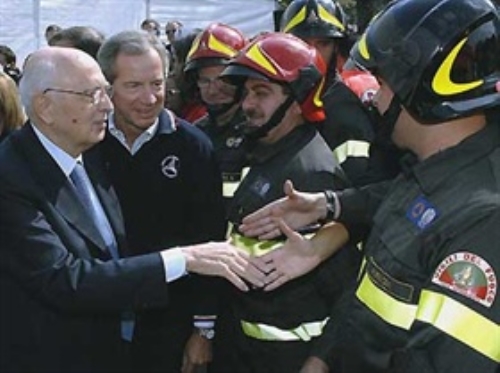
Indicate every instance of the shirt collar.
{"type": "Point", "coordinates": [165, 125]}
{"type": "Point", "coordinates": [143, 138]}
{"type": "Point", "coordinates": [65, 161]}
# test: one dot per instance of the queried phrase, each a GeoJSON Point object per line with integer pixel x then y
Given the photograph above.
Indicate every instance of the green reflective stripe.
{"type": "Point", "coordinates": [229, 187]}
{"type": "Point", "coordinates": [253, 246]}
{"type": "Point", "coordinates": [304, 332]}
{"type": "Point", "coordinates": [351, 148]}
{"type": "Point", "coordinates": [460, 322]}
{"type": "Point", "coordinates": [393, 311]}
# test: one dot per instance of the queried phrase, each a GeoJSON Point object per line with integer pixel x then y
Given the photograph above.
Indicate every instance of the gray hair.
{"type": "Point", "coordinates": [129, 43]}
{"type": "Point", "coordinates": [38, 75]}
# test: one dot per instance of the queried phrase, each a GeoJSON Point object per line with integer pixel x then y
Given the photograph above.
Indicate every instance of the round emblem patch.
{"type": "Point", "coordinates": [468, 274]}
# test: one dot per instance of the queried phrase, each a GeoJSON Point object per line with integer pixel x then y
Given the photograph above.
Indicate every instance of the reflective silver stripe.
{"type": "Point", "coordinates": [460, 322]}
{"type": "Point", "coordinates": [351, 148]}
{"type": "Point", "coordinates": [304, 332]}
{"type": "Point", "coordinates": [229, 187]}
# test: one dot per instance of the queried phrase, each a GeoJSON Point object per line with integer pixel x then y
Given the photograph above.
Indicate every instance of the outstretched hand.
{"type": "Point", "coordinates": [297, 209]}
{"type": "Point", "coordinates": [225, 260]}
{"type": "Point", "coordinates": [294, 259]}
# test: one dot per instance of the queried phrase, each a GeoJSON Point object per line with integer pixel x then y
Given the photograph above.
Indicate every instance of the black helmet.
{"type": "Point", "coordinates": [441, 58]}
{"type": "Point", "coordinates": [314, 19]}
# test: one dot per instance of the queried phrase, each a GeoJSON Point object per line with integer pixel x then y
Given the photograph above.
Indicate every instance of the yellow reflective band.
{"type": "Point", "coordinates": [253, 246]}
{"type": "Point", "coordinates": [460, 322]}
{"type": "Point", "coordinates": [351, 148]}
{"type": "Point", "coordinates": [330, 18]}
{"type": "Point", "coordinates": [317, 96]}
{"type": "Point", "coordinates": [442, 83]}
{"type": "Point", "coordinates": [391, 310]}
{"type": "Point", "coordinates": [299, 17]}
{"type": "Point", "coordinates": [363, 47]}
{"type": "Point", "coordinates": [304, 332]}
{"type": "Point", "coordinates": [215, 44]}
{"type": "Point", "coordinates": [256, 56]}
{"type": "Point", "coordinates": [229, 188]}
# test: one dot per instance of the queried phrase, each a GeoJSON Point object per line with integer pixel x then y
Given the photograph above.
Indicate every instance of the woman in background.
{"type": "Point", "coordinates": [11, 111]}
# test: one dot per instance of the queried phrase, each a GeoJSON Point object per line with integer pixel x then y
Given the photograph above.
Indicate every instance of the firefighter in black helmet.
{"type": "Point", "coordinates": [427, 298]}
{"type": "Point", "coordinates": [348, 128]}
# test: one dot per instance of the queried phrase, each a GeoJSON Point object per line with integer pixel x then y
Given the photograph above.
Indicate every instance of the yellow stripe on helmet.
{"type": "Point", "coordinates": [296, 20]}
{"type": "Point", "coordinates": [442, 83]}
{"type": "Point", "coordinates": [330, 18]}
{"type": "Point", "coordinates": [215, 44]}
{"type": "Point", "coordinates": [256, 55]}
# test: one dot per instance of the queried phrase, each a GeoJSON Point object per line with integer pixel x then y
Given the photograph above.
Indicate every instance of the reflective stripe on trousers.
{"type": "Point", "coordinates": [304, 332]}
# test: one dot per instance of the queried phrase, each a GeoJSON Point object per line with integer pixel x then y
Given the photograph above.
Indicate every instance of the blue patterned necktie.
{"type": "Point", "coordinates": [91, 203]}
{"type": "Point", "coordinates": [89, 199]}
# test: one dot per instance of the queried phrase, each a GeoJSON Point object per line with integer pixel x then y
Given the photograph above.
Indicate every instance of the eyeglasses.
{"type": "Point", "coordinates": [95, 94]}
{"type": "Point", "coordinates": [204, 82]}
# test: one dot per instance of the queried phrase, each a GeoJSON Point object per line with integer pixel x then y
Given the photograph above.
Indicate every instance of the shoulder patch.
{"type": "Point", "coordinates": [421, 213]}
{"type": "Point", "coordinates": [469, 275]}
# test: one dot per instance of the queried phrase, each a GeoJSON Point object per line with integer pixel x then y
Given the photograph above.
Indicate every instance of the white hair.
{"type": "Point", "coordinates": [38, 75]}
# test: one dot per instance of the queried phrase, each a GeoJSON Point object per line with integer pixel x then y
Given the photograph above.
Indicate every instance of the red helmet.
{"type": "Point", "coordinates": [216, 45]}
{"type": "Point", "coordinates": [284, 59]}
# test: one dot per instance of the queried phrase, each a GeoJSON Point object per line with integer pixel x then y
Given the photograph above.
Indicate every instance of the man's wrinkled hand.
{"type": "Point", "coordinates": [225, 260]}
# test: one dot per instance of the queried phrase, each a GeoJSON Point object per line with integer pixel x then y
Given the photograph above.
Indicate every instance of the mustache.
{"type": "Point", "coordinates": [252, 114]}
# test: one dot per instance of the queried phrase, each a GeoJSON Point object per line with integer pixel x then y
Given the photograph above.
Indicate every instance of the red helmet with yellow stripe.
{"type": "Point", "coordinates": [287, 60]}
{"type": "Point", "coordinates": [215, 45]}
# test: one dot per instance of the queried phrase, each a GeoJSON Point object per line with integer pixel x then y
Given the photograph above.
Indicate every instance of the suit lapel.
{"type": "Point", "coordinates": [97, 172]}
{"type": "Point", "coordinates": [57, 187]}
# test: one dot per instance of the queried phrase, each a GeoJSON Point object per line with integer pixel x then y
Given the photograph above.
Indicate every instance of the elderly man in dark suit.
{"type": "Point", "coordinates": [64, 284]}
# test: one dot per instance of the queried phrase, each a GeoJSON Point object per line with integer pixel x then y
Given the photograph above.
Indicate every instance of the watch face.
{"type": "Point", "coordinates": [207, 333]}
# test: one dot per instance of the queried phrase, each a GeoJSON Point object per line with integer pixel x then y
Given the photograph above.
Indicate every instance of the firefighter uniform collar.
{"type": "Point", "coordinates": [433, 171]}
{"type": "Point", "coordinates": [262, 153]}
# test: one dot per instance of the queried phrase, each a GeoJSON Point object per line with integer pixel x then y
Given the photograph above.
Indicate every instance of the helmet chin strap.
{"type": "Point", "coordinates": [216, 110]}
{"type": "Point", "coordinates": [386, 122]}
{"type": "Point", "coordinates": [252, 133]}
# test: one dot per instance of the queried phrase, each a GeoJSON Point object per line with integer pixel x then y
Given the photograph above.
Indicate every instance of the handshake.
{"type": "Point", "coordinates": [262, 264]}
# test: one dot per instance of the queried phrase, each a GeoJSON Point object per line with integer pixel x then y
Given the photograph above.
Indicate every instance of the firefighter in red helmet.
{"type": "Point", "coordinates": [283, 79]}
{"type": "Point", "coordinates": [209, 54]}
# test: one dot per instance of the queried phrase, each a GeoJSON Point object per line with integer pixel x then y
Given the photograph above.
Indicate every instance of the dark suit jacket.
{"type": "Point", "coordinates": [61, 295]}
{"type": "Point", "coordinates": [163, 210]}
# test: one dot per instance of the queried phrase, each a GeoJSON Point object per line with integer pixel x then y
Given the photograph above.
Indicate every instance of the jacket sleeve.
{"type": "Point", "coordinates": [457, 322]}
{"type": "Point", "coordinates": [50, 260]}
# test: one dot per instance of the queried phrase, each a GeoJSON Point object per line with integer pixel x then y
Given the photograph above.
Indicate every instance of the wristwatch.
{"type": "Point", "coordinates": [208, 333]}
{"type": "Point", "coordinates": [331, 210]}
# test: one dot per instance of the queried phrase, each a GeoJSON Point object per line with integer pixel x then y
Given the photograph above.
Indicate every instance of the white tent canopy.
{"type": "Point", "coordinates": [23, 22]}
